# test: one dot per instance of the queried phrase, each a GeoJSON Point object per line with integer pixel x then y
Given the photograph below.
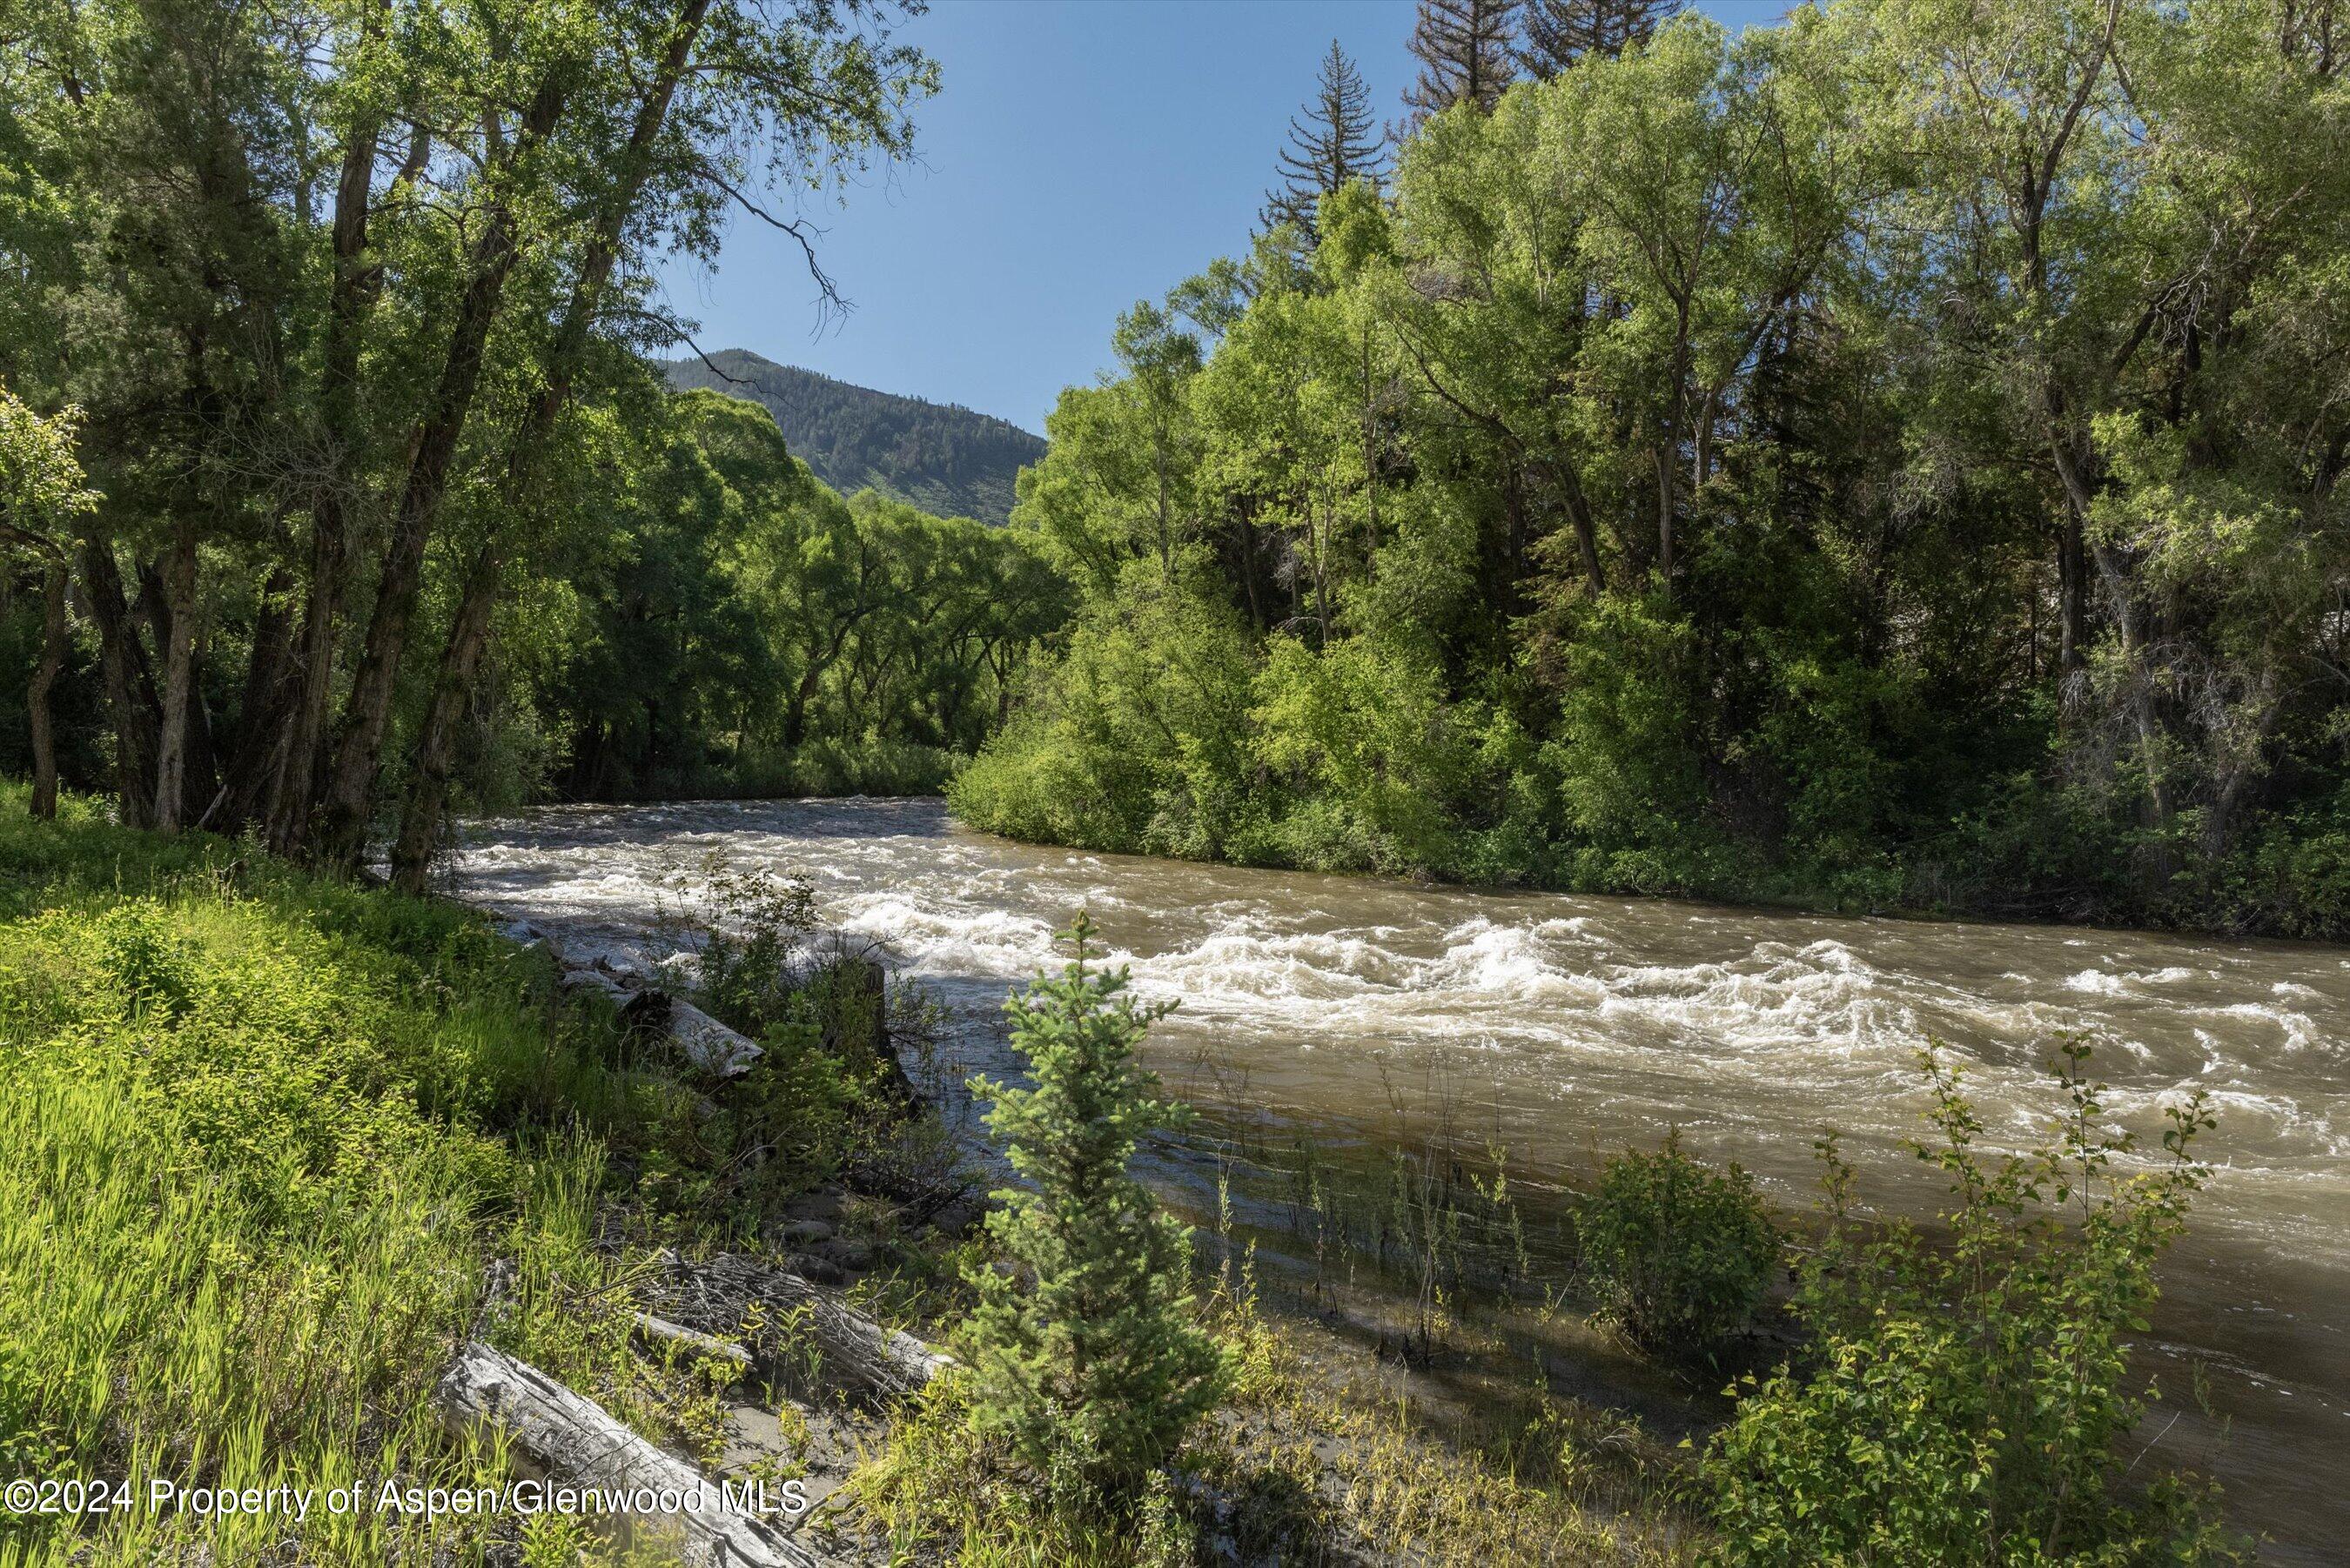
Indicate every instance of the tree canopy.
{"type": "Point", "coordinates": [1894, 457]}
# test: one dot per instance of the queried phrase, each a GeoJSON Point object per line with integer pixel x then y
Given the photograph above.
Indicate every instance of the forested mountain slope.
{"type": "Point", "coordinates": [943, 458]}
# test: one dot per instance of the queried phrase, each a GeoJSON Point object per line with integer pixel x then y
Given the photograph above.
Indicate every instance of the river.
{"type": "Point", "coordinates": [1564, 1027]}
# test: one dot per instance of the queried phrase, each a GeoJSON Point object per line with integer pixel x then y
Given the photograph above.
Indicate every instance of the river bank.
{"type": "Point", "coordinates": [313, 1192]}
{"type": "Point", "coordinates": [1340, 1008]}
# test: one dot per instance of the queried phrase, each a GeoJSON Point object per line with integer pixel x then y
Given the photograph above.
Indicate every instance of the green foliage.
{"type": "Point", "coordinates": [741, 629]}
{"type": "Point", "coordinates": [1085, 1351]}
{"type": "Point", "coordinates": [40, 479]}
{"type": "Point", "coordinates": [803, 1105]}
{"type": "Point", "coordinates": [1966, 1400]}
{"type": "Point", "coordinates": [1679, 1255]}
{"type": "Point", "coordinates": [945, 1484]}
{"type": "Point", "coordinates": [749, 928]}
{"type": "Point", "coordinates": [1765, 464]}
{"type": "Point", "coordinates": [357, 307]}
{"type": "Point", "coordinates": [259, 1135]}
{"type": "Point", "coordinates": [1136, 740]}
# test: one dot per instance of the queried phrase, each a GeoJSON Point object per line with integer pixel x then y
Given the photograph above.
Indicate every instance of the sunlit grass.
{"type": "Point", "coordinates": [259, 1137]}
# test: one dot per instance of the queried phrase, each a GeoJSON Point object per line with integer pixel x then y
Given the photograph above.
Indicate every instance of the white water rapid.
{"type": "Point", "coordinates": [1569, 1026]}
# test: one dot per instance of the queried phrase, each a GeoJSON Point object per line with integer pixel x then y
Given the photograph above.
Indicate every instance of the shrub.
{"type": "Point", "coordinates": [1087, 1354]}
{"type": "Point", "coordinates": [751, 927]}
{"type": "Point", "coordinates": [1966, 1400]}
{"type": "Point", "coordinates": [1681, 1253]}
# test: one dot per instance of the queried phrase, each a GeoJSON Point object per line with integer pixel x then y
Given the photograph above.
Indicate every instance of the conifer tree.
{"type": "Point", "coordinates": [1336, 145]}
{"type": "Point", "coordinates": [1086, 1355]}
{"type": "Point", "coordinates": [1464, 48]}
{"type": "Point", "coordinates": [1560, 33]}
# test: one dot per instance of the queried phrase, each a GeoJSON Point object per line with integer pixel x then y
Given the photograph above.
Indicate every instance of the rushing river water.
{"type": "Point", "coordinates": [1565, 1027]}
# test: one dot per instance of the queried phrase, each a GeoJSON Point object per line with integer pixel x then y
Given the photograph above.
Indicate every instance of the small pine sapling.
{"type": "Point", "coordinates": [1087, 1354]}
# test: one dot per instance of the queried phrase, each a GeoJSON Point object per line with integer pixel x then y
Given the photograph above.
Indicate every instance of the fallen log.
{"type": "Point", "coordinates": [708, 1044]}
{"type": "Point", "coordinates": [711, 1046]}
{"type": "Point", "coordinates": [853, 1354]}
{"type": "Point", "coordinates": [574, 1440]}
{"type": "Point", "coordinates": [693, 1339]}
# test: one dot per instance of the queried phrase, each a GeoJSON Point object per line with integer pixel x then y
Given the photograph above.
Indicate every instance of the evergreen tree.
{"type": "Point", "coordinates": [1336, 146]}
{"type": "Point", "coordinates": [1560, 33]}
{"type": "Point", "coordinates": [1464, 48]}
{"type": "Point", "coordinates": [1086, 1354]}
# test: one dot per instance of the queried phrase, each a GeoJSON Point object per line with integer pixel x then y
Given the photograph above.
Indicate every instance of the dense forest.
{"type": "Point", "coordinates": [1892, 458]}
{"type": "Point", "coordinates": [1889, 459]}
{"type": "Point", "coordinates": [739, 629]}
{"type": "Point", "coordinates": [943, 458]}
{"type": "Point", "coordinates": [340, 482]}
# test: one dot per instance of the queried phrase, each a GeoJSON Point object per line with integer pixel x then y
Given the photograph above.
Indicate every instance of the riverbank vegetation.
{"type": "Point", "coordinates": [346, 314]}
{"type": "Point", "coordinates": [1889, 459]}
{"type": "Point", "coordinates": [276, 1147]}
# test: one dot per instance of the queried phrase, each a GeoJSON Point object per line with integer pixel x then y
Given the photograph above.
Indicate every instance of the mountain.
{"type": "Point", "coordinates": [943, 458]}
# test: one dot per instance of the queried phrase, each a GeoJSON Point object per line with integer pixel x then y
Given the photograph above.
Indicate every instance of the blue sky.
{"type": "Point", "coordinates": [1081, 154]}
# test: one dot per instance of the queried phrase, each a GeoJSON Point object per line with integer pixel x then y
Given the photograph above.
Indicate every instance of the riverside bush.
{"type": "Point", "coordinates": [1681, 1255]}
{"type": "Point", "coordinates": [1965, 1401]}
{"type": "Point", "coordinates": [1087, 1354]}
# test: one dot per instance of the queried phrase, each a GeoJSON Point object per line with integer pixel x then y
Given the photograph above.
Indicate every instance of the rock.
{"type": "Point", "coordinates": [854, 1256]}
{"type": "Point", "coordinates": [818, 1269]}
{"type": "Point", "coordinates": [827, 1203]}
{"type": "Point", "coordinates": [959, 1216]}
{"type": "Point", "coordinates": [802, 1233]}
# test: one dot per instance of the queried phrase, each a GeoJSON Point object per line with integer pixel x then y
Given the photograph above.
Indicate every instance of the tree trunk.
{"type": "Point", "coordinates": [294, 787]}
{"type": "Point", "coordinates": [178, 634]}
{"type": "Point", "coordinates": [36, 692]}
{"type": "Point", "coordinates": [264, 713]}
{"type": "Point", "coordinates": [1664, 514]}
{"type": "Point", "coordinates": [170, 601]}
{"type": "Point", "coordinates": [129, 683]}
{"type": "Point", "coordinates": [2072, 595]}
{"type": "Point", "coordinates": [436, 749]}
{"type": "Point", "coordinates": [1578, 515]}
{"type": "Point", "coordinates": [342, 831]}
{"type": "Point", "coordinates": [468, 635]}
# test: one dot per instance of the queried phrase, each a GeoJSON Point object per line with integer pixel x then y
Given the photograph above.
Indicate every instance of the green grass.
{"type": "Point", "coordinates": [260, 1135]}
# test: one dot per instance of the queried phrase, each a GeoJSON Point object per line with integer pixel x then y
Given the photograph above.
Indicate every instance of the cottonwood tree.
{"type": "Point", "coordinates": [329, 280]}
{"type": "Point", "coordinates": [40, 492]}
{"type": "Point", "coordinates": [2135, 202]}
{"type": "Point", "coordinates": [1337, 144]}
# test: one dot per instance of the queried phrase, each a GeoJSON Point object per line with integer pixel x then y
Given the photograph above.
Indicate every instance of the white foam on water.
{"type": "Point", "coordinates": [1647, 1010]}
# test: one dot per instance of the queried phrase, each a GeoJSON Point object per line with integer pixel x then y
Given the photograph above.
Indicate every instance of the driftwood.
{"type": "Point", "coordinates": [855, 1355]}
{"type": "Point", "coordinates": [700, 1344]}
{"type": "Point", "coordinates": [711, 1046]}
{"type": "Point", "coordinates": [708, 1044]}
{"type": "Point", "coordinates": [574, 1440]}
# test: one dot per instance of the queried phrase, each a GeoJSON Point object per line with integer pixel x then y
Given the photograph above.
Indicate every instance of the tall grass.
{"type": "Point", "coordinates": [259, 1139]}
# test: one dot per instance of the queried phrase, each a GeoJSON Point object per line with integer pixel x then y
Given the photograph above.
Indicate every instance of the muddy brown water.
{"type": "Point", "coordinates": [1562, 1027]}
